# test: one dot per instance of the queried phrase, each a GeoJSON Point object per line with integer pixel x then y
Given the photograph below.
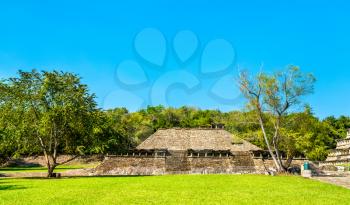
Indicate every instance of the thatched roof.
{"type": "Point", "coordinates": [195, 139]}
{"type": "Point", "coordinates": [239, 145]}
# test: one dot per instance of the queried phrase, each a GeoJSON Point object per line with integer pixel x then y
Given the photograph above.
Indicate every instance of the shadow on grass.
{"type": "Point", "coordinates": [5, 186]}
{"type": "Point", "coordinates": [109, 176]}
{"type": "Point", "coordinates": [28, 169]}
{"type": "Point", "coordinates": [10, 187]}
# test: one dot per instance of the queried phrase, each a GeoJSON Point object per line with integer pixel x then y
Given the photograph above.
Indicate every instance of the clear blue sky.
{"type": "Point", "coordinates": [94, 40]}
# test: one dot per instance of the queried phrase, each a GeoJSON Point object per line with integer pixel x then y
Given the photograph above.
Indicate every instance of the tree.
{"type": "Point", "coordinates": [275, 95]}
{"type": "Point", "coordinates": [338, 127]}
{"type": "Point", "coordinates": [54, 113]}
{"type": "Point", "coordinates": [109, 133]}
{"type": "Point", "coordinates": [305, 134]}
{"type": "Point", "coordinates": [11, 142]}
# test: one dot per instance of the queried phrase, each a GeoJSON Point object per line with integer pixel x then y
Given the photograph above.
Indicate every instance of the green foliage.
{"type": "Point", "coordinates": [109, 133]}
{"type": "Point", "coordinates": [303, 133]}
{"type": "Point", "coordinates": [56, 105]}
{"type": "Point", "coordinates": [271, 97]}
{"type": "Point", "coordinates": [337, 126]}
{"type": "Point", "coordinates": [48, 111]}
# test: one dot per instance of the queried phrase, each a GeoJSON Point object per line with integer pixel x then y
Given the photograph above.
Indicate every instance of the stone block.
{"type": "Point", "coordinates": [306, 173]}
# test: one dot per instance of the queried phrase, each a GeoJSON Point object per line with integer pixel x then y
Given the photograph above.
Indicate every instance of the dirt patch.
{"type": "Point", "coordinates": [39, 161]}
{"type": "Point", "coordinates": [70, 173]}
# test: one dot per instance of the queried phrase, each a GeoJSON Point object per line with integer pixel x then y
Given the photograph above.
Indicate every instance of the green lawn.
{"type": "Point", "coordinates": [176, 189]}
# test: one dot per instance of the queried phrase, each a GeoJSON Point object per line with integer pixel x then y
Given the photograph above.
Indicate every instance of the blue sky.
{"type": "Point", "coordinates": [108, 42]}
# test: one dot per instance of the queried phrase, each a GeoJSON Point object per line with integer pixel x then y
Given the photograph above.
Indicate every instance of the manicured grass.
{"type": "Point", "coordinates": [61, 168]}
{"type": "Point", "coordinates": [172, 189]}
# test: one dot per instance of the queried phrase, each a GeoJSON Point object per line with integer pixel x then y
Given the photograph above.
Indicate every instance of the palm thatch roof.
{"type": "Point", "coordinates": [195, 139]}
{"type": "Point", "coordinates": [240, 145]}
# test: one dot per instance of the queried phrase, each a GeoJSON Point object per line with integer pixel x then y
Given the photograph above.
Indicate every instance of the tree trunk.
{"type": "Point", "coordinates": [48, 165]}
{"type": "Point", "coordinates": [50, 173]}
{"type": "Point", "coordinates": [288, 162]}
{"type": "Point", "coordinates": [51, 169]}
{"type": "Point", "coordinates": [278, 156]}
{"type": "Point", "coordinates": [278, 167]}
{"type": "Point", "coordinates": [51, 165]}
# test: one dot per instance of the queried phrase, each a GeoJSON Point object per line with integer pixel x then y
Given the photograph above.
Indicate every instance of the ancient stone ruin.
{"type": "Point", "coordinates": [340, 155]}
{"type": "Point", "coordinates": [188, 151]}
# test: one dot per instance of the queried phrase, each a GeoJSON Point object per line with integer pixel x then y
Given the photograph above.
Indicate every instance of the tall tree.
{"type": "Point", "coordinates": [275, 95]}
{"type": "Point", "coordinates": [56, 113]}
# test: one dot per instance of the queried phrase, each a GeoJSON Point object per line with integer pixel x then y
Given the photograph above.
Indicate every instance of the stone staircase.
{"type": "Point", "coordinates": [177, 162]}
{"type": "Point", "coordinates": [243, 163]}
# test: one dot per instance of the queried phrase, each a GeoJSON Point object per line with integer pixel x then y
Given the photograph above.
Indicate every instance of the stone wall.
{"type": "Point", "coordinates": [131, 166]}
{"type": "Point", "coordinates": [206, 165]}
{"type": "Point", "coordinates": [240, 163]}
